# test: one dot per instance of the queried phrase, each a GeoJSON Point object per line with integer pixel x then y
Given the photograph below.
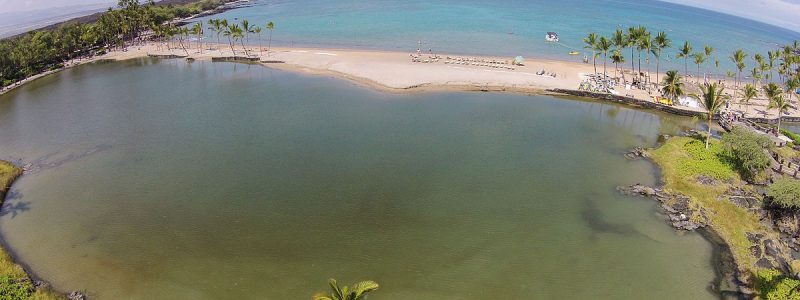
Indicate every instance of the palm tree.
{"type": "Point", "coordinates": [215, 26]}
{"type": "Point", "coordinates": [755, 73]}
{"type": "Point", "coordinates": [358, 291]}
{"type": "Point", "coordinates": [673, 85]}
{"type": "Point", "coordinates": [712, 98]}
{"type": "Point", "coordinates": [661, 42]}
{"type": "Point", "coordinates": [771, 58]}
{"type": "Point", "coordinates": [246, 29]}
{"type": "Point", "coordinates": [617, 58]}
{"type": "Point", "coordinates": [270, 26]}
{"type": "Point", "coordinates": [699, 59]}
{"type": "Point", "coordinates": [197, 30]}
{"type": "Point", "coordinates": [239, 34]}
{"type": "Point", "coordinates": [633, 40]}
{"type": "Point", "coordinates": [257, 30]}
{"type": "Point", "coordinates": [645, 44]}
{"type": "Point", "coordinates": [748, 92]}
{"type": "Point", "coordinates": [230, 33]}
{"type": "Point", "coordinates": [684, 52]}
{"type": "Point", "coordinates": [792, 85]}
{"type": "Point", "coordinates": [708, 51]}
{"type": "Point", "coordinates": [775, 95]}
{"type": "Point", "coordinates": [738, 59]}
{"type": "Point", "coordinates": [591, 43]}
{"type": "Point", "coordinates": [604, 45]}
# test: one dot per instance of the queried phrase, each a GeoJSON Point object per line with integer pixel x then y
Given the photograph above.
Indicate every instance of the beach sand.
{"type": "Point", "coordinates": [396, 72]}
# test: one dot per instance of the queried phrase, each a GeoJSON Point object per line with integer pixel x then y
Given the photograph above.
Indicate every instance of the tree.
{"type": "Point", "coordinates": [661, 42]}
{"type": "Point", "coordinates": [270, 26]}
{"type": "Point", "coordinates": [771, 58]}
{"type": "Point", "coordinates": [684, 52]}
{"type": "Point", "coordinates": [230, 33]}
{"type": "Point", "coordinates": [746, 149]}
{"type": "Point", "coordinates": [785, 193]}
{"type": "Point", "coordinates": [645, 44]}
{"type": "Point", "coordinates": [792, 85]}
{"type": "Point", "coordinates": [197, 30]}
{"type": "Point", "coordinates": [358, 291]}
{"type": "Point", "coordinates": [712, 98]}
{"type": "Point", "coordinates": [708, 51]}
{"type": "Point", "coordinates": [633, 40]}
{"type": "Point", "coordinates": [738, 59]}
{"type": "Point", "coordinates": [699, 59]}
{"type": "Point", "coordinates": [673, 85]}
{"type": "Point", "coordinates": [617, 58]}
{"type": "Point", "coordinates": [246, 30]}
{"type": "Point", "coordinates": [604, 45]}
{"type": "Point", "coordinates": [755, 73]}
{"type": "Point", "coordinates": [218, 27]}
{"type": "Point", "coordinates": [776, 101]}
{"type": "Point", "coordinates": [257, 30]}
{"type": "Point", "coordinates": [748, 92]}
{"type": "Point", "coordinates": [591, 43]}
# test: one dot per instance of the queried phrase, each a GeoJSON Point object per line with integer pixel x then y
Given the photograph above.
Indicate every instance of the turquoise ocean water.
{"type": "Point", "coordinates": [486, 27]}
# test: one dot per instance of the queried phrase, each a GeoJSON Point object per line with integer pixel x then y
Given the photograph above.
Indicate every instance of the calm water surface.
{"type": "Point", "coordinates": [504, 27]}
{"type": "Point", "coordinates": [168, 180]}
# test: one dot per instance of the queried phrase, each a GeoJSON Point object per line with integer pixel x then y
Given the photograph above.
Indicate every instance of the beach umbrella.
{"type": "Point", "coordinates": [519, 60]}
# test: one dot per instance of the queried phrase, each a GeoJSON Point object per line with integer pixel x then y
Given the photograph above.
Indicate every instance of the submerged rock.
{"type": "Point", "coordinates": [635, 153]}
{"type": "Point", "coordinates": [680, 215]}
{"type": "Point", "coordinates": [75, 295]}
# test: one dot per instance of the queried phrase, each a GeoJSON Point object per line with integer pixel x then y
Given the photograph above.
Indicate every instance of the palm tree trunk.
{"type": "Point", "coordinates": [658, 62]}
{"type": "Point", "coordinates": [269, 45]}
{"type": "Point", "coordinates": [632, 69]}
{"type": "Point", "coordinates": [604, 66]}
{"type": "Point", "coordinates": [708, 137]}
{"type": "Point", "coordinates": [245, 48]}
{"type": "Point", "coordinates": [594, 61]}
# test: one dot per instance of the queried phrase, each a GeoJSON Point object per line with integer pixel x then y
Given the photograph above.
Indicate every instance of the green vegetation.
{"type": "Point", "coordinates": [712, 97]}
{"type": "Point", "coordinates": [702, 161]}
{"type": "Point", "coordinates": [795, 137]}
{"type": "Point", "coordinates": [14, 282]}
{"type": "Point", "coordinates": [772, 285]}
{"type": "Point", "coordinates": [682, 160]}
{"type": "Point", "coordinates": [746, 150]}
{"type": "Point", "coordinates": [358, 291]}
{"type": "Point", "coordinates": [785, 193]}
{"type": "Point", "coordinates": [43, 50]}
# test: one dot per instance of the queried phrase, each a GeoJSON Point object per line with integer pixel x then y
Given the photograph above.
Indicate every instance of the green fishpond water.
{"type": "Point", "coordinates": [171, 180]}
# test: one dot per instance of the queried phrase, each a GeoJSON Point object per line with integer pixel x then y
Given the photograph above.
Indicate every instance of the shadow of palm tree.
{"type": "Point", "coordinates": [14, 208]}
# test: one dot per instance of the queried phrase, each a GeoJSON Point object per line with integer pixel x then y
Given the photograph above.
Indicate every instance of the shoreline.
{"type": "Point", "coordinates": [391, 71]}
{"type": "Point", "coordinates": [349, 65]}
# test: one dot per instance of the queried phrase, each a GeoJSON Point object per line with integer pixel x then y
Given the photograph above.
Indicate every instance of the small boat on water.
{"type": "Point", "coordinates": [574, 53]}
{"type": "Point", "coordinates": [551, 37]}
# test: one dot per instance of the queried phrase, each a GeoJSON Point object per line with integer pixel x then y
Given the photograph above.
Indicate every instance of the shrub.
{"type": "Point", "coordinates": [772, 285]}
{"type": "Point", "coordinates": [785, 193]}
{"type": "Point", "coordinates": [746, 150]}
{"type": "Point", "coordinates": [702, 161]}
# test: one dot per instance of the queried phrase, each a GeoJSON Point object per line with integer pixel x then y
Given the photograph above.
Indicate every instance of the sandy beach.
{"type": "Point", "coordinates": [398, 72]}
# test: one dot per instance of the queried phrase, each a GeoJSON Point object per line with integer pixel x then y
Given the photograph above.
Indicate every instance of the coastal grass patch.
{"type": "Point", "coordinates": [14, 282]}
{"type": "Point", "coordinates": [682, 160]}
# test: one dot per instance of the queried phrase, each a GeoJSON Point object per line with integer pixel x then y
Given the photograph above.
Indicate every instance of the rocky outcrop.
{"type": "Point", "coordinates": [676, 206]}
{"type": "Point", "coordinates": [637, 153]}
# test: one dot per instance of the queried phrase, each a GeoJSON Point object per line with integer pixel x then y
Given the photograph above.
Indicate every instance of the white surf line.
{"type": "Point", "coordinates": [299, 51]}
{"type": "Point", "coordinates": [325, 53]}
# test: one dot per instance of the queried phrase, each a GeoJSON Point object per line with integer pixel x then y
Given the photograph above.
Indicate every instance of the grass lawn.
{"type": "Point", "coordinates": [681, 160]}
